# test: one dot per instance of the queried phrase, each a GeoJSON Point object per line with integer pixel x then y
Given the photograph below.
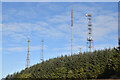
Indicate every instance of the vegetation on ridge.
{"type": "Point", "coordinates": [98, 64]}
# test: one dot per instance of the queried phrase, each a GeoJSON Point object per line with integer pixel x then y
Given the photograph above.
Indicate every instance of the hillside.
{"type": "Point", "coordinates": [99, 64]}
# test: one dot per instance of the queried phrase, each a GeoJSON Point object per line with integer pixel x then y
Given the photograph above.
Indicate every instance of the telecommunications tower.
{"type": "Point", "coordinates": [28, 59]}
{"type": "Point", "coordinates": [42, 47]}
{"type": "Point", "coordinates": [89, 36]}
{"type": "Point", "coordinates": [72, 31]}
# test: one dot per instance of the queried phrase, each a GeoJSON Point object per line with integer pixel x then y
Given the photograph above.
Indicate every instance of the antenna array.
{"type": "Point", "coordinates": [89, 36]}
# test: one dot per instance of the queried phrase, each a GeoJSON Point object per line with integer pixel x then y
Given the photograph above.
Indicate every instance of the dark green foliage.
{"type": "Point", "coordinates": [98, 64]}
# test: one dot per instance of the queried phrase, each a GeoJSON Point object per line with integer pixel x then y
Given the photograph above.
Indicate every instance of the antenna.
{"type": "Point", "coordinates": [72, 31]}
{"type": "Point", "coordinates": [79, 51]}
{"type": "Point", "coordinates": [119, 26]}
{"type": "Point", "coordinates": [89, 36]}
{"type": "Point", "coordinates": [28, 59]}
{"type": "Point", "coordinates": [42, 47]}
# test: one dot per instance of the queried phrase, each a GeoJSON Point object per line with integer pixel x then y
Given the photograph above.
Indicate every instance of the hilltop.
{"type": "Point", "coordinates": [101, 64]}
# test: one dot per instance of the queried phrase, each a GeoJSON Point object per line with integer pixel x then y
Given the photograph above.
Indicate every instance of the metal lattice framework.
{"type": "Point", "coordinates": [42, 48]}
{"type": "Point", "coordinates": [89, 36]}
{"type": "Point", "coordinates": [28, 54]}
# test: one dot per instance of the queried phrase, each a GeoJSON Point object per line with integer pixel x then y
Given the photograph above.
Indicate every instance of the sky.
{"type": "Point", "coordinates": [0, 41]}
{"type": "Point", "coordinates": [59, 0]}
{"type": "Point", "coordinates": [51, 22]}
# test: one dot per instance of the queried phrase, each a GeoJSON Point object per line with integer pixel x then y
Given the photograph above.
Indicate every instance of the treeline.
{"type": "Point", "coordinates": [101, 64]}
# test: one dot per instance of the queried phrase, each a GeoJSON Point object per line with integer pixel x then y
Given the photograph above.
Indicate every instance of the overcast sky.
{"type": "Point", "coordinates": [51, 22]}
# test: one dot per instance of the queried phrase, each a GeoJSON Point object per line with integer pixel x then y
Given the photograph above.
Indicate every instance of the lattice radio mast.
{"type": "Point", "coordinates": [72, 31]}
{"type": "Point", "coordinates": [28, 59]}
{"type": "Point", "coordinates": [42, 48]}
{"type": "Point", "coordinates": [89, 36]}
